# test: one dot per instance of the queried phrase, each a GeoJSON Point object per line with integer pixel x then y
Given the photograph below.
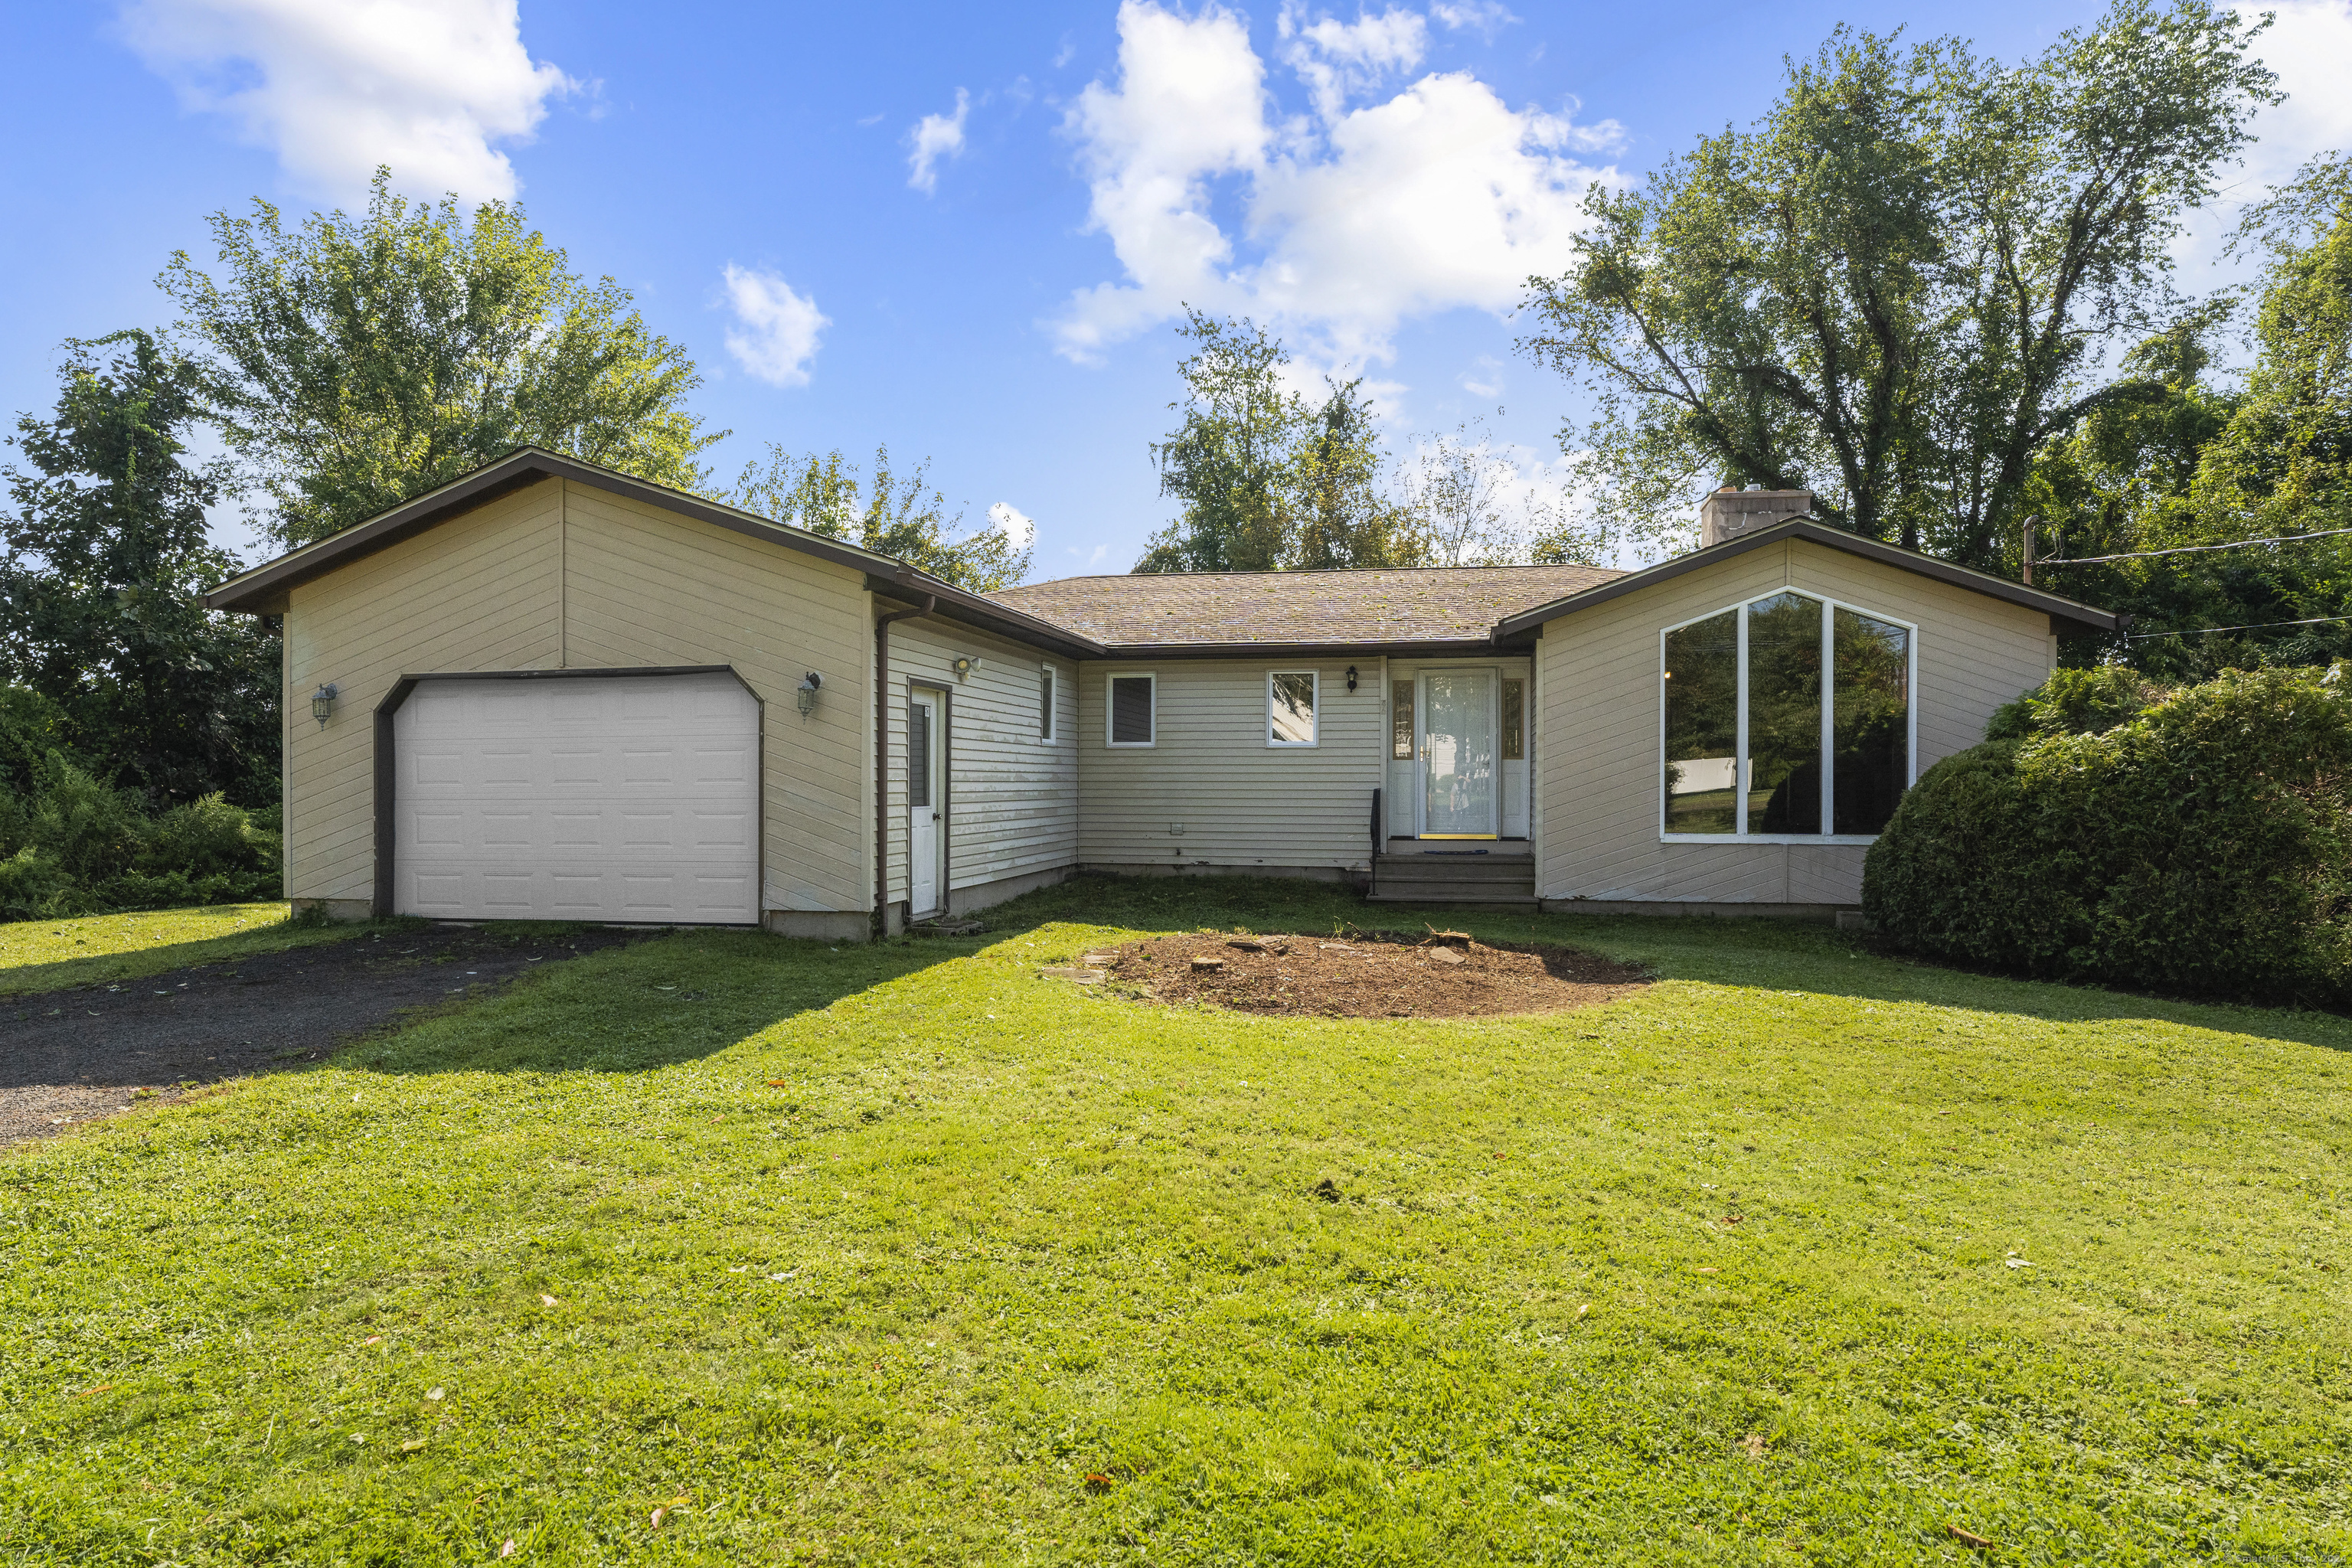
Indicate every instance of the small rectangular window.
{"type": "Point", "coordinates": [1132, 721]}
{"type": "Point", "coordinates": [1290, 708]}
{"type": "Point", "coordinates": [919, 755]}
{"type": "Point", "coordinates": [1515, 721]}
{"type": "Point", "coordinates": [1400, 720]}
{"type": "Point", "coordinates": [1045, 703]}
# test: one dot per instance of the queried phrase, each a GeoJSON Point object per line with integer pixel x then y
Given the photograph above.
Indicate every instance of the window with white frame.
{"type": "Point", "coordinates": [1290, 708]}
{"type": "Point", "coordinates": [1130, 718]}
{"type": "Point", "coordinates": [1786, 717]}
{"type": "Point", "coordinates": [1045, 702]}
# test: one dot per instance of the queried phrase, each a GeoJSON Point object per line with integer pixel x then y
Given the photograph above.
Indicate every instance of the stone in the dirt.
{"type": "Point", "coordinates": [1204, 965]}
{"type": "Point", "coordinates": [1082, 976]}
{"type": "Point", "coordinates": [1100, 960]}
{"type": "Point", "coordinates": [1445, 955]}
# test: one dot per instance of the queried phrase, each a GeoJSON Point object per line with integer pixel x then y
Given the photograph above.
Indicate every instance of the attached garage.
{"type": "Point", "coordinates": [627, 796]}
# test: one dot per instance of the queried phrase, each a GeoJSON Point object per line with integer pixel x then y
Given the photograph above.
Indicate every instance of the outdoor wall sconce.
{"type": "Point", "coordinates": [322, 703]}
{"type": "Point", "coordinates": [1351, 678]}
{"type": "Point", "coordinates": [807, 695]}
{"type": "Point", "coordinates": [964, 666]}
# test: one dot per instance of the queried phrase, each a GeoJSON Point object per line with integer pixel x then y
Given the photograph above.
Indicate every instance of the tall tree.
{"type": "Point", "coordinates": [899, 516]}
{"type": "Point", "coordinates": [362, 361]}
{"type": "Point", "coordinates": [105, 552]}
{"type": "Point", "coordinates": [1897, 286]}
{"type": "Point", "coordinates": [1268, 482]}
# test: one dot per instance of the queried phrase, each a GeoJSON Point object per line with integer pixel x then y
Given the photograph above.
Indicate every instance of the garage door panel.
{"type": "Point", "coordinates": [625, 798]}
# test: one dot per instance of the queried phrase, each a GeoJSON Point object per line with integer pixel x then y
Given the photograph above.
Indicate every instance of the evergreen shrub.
{"type": "Point", "coordinates": [2192, 841]}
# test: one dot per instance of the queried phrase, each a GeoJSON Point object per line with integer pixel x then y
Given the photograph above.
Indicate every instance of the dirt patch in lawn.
{"type": "Point", "coordinates": [92, 1051]}
{"type": "Point", "coordinates": [1369, 977]}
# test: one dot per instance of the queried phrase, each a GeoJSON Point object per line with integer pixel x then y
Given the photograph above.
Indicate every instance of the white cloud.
{"type": "Point", "coordinates": [428, 87]}
{"type": "Point", "coordinates": [1011, 523]}
{"type": "Point", "coordinates": [1483, 16]}
{"type": "Point", "coordinates": [934, 137]}
{"type": "Point", "coordinates": [1337, 59]}
{"type": "Point", "coordinates": [1438, 197]}
{"type": "Point", "coordinates": [776, 328]}
{"type": "Point", "coordinates": [1483, 378]}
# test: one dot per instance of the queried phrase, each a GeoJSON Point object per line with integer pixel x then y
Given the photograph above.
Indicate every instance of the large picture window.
{"type": "Point", "coordinates": [1786, 718]}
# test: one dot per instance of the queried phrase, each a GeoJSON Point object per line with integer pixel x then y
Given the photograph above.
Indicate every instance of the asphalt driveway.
{"type": "Point", "coordinates": [69, 1055]}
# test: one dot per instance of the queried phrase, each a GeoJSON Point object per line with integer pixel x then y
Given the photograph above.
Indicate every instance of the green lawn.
{"type": "Point", "coordinates": [877, 1254]}
{"type": "Point", "coordinates": [44, 955]}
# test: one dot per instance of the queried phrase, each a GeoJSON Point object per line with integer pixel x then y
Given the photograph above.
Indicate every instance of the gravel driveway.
{"type": "Point", "coordinates": [69, 1055]}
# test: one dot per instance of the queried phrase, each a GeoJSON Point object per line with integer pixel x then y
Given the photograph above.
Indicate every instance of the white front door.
{"type": "Point", "coordinates": [594, 797]}
{"type": "Point", "coordinates": [1458, 727]}
{"type": "Point", "coordinates": [926, 801]}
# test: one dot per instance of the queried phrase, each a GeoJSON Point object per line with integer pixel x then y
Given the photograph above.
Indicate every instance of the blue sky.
{"type": "Point", "coordinates": [962, 230]}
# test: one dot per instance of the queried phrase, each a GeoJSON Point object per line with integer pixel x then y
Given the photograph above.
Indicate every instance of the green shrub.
{"type": "Point", "coordinates": [2196, 842]}
{"type": "Point", "coordinates": [72, 845]}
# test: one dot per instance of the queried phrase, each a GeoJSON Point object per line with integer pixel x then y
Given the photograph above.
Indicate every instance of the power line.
{"type": "Point", "coordinates": [2255, 626]}
{"type": "Point", "coordinates": [2191, 549]}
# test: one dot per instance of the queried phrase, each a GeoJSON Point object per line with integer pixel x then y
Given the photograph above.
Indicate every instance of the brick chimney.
{"type": "Point", "coordinates": [1731, 511]}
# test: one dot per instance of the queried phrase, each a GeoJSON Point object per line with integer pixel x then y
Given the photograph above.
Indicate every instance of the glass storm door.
{"type": "Point", "coordinates": [1457, 753]}
{"type": "Point", "coordinates": [924, 805]}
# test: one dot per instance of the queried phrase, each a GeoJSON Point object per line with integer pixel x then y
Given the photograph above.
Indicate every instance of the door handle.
{"type": "Point", "coordinates": [935, 816]}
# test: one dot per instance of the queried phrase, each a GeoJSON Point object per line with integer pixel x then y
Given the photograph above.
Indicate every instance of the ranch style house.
{"type": "Point", "coordinates": [550, 691]}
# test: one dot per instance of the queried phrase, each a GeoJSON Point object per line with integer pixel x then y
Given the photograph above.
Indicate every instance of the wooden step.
{"type": "Point", "coordinates": [1453, 879]}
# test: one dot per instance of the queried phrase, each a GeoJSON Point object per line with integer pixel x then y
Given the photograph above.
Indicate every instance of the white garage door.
{"type": "Point", "coordinates": [581, 797]}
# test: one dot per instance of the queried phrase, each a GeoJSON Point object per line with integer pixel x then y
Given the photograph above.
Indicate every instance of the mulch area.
{"type": "Point", "coordinates": [94, 1050]}
{"type": "Point", "coordinates": [1368, 975]}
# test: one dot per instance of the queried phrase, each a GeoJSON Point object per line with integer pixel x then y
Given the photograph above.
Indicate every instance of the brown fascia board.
{"type": "Point", "coordinates": [1145, 653]}
{"type": "Point", "coordinates": [262, 591]}
{"type": "Point", "coordinates": [2056, 606]}
{"type": "Point", "coordinates": [909, 587]}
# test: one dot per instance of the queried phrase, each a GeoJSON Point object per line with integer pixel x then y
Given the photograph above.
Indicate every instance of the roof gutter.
{"type": "Point", "coordinates": [882, 756]}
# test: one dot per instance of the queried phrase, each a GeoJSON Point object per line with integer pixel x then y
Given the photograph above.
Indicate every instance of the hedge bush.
{"type": "Point", "coordinates": [72, 845]}
{"type": "Point", "coordinates": [2194, 841]}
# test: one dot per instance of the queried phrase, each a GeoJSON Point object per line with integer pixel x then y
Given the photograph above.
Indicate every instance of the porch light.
{"type": "Point", "coordinates": [807, 695]}
{"type": "Point", "coordinates": [1351, 678]}
{"type": "Point", "coordinates": [964, 666]}
{"type": "Point", "coordinates": [322, 703]}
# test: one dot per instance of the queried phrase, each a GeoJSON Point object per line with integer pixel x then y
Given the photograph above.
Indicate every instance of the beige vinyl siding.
{"type": "Point", "coordinates": [649, 587]}
{"type": "Point", "coordinates": [1011, 798]}
{"type": "Point", "coordinates": [1598, 690]}
{"type": "Point", "coordinates": [1242, 802]}
{"type": "Point", "coordinates": [483, 590]}
{"type": "Point", "coordinates": [557, 576]}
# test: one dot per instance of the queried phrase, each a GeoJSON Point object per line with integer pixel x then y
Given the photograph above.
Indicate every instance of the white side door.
{"type": "Point", "coordinates": [926, 801]}
{"type": "Point", "coordinates": [631, 798]}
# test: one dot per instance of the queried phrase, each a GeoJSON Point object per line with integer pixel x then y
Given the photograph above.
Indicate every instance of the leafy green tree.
{"type": "Point", "coordinates": [105, 552]}
{"type": "Point", "coordinates": [1895, 287]}
{"type": "Point", "coordinates": [1269, 483]}
{"type": "Point", "coordinates": [1348, 519]}
{"type": "Point", "coordinates": [362, 361]}
{"type": "Point", "coordinates": [901, 516]}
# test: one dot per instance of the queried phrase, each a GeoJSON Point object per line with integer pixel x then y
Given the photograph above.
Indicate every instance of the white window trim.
{"type": "Point", "coordinates": [1314, 698]}
{"type": "Point", "coordinates": [1830, 607]}
{"type": "Point", "coordinates": [1107, 715]}
{"type": "Point", "coordinates": [1052, 705]}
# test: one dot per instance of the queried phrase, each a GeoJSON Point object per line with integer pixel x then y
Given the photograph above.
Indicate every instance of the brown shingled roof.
{"type": "Point", "coordinates": [1349, 609]}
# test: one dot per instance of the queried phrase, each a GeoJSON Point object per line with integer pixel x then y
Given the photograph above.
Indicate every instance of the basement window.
{"type": "Point", "coordinates": [1787, 718]}
{"type": "Point", "coordinates": [1132, 718]}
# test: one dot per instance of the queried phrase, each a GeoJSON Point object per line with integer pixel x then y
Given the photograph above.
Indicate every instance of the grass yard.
{"type": "Point", "coordinates": [49, 956]}
{"type": "Point", "coordinates": [721, 1248]}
